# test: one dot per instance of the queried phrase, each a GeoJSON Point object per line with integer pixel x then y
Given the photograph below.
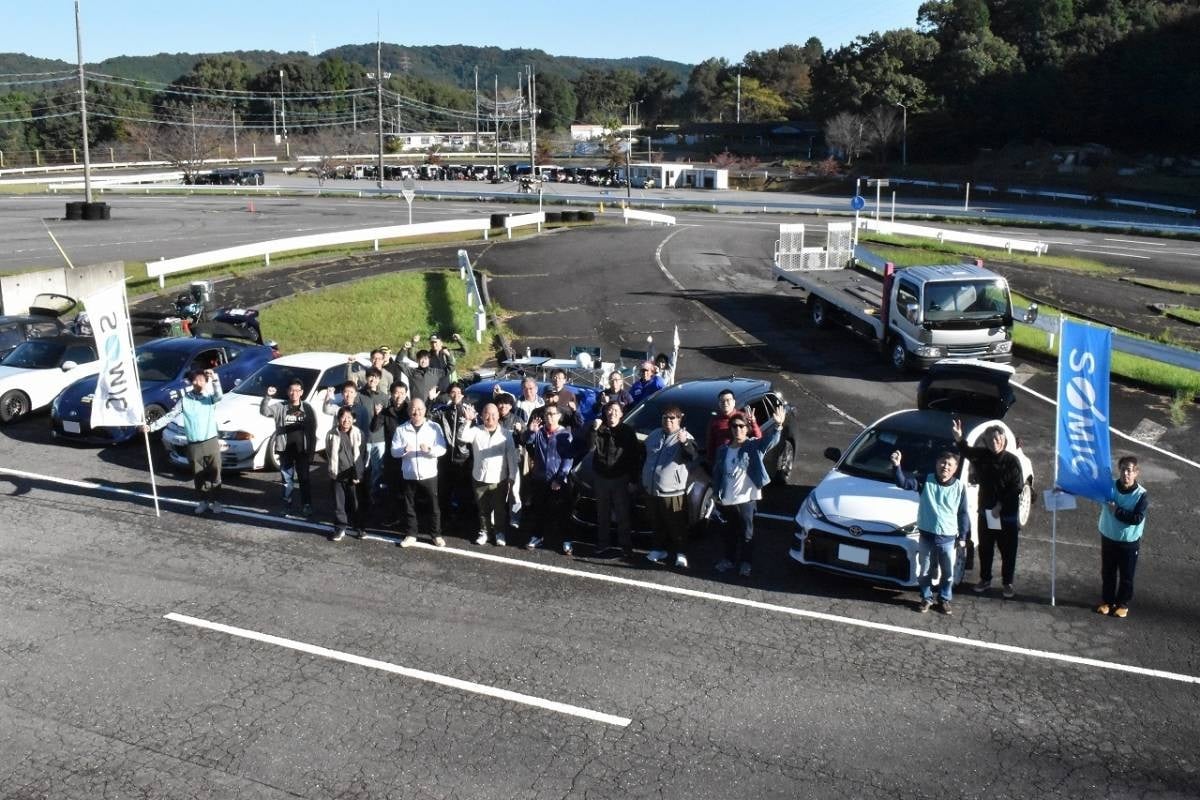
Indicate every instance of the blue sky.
{"type": "Point", "coordinates": [680, 31]}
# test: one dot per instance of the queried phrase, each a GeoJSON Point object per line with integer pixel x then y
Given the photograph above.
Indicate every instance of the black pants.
{"type": "Point", "coordinates": [738, 532]}
{"type": "Point", "coordinates": [299, 463]}
{"type": "Point", "coordinates": [548, 513]}
{"type": "Point", "coordinates": [613, 499]}
{"type": "Point", "coordinates": [425, 493]}
{"type": "Point", "coordinates": [347, 497]}
{"type": "Point", "coordinates": [205, 458]}
{"type": "Point", "coordinates": [491, 499]}
{"type": "Point", "coordinates": [455, 488]}
{"type": "Point", "coordinates": [1118, 562]}
{"type": "Point", "coordinates": [1005, 540]}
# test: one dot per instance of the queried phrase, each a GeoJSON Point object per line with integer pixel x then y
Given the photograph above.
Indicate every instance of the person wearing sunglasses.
{"type": "Point", "coordinates": [646, 384]}
{"type": "Point", "coordinates": [665, 476]}
{"type": "Point", "coordinates": [738, 478]}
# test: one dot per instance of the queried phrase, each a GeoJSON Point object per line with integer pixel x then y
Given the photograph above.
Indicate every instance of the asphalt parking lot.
{"type": "Point", "coordinates": [789, 684]}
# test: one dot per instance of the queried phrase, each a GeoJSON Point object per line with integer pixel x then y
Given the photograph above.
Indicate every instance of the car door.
{"type": "Point", "coordinates": [331, 378]}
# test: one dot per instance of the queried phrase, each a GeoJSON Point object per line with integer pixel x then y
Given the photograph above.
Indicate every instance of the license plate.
{"type": "Point", "coordinates": [71, 427]}
{"type": "Point", "coordinates": [855, 555]}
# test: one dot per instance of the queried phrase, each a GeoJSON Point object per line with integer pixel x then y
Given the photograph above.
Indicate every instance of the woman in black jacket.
{"type": "Point", "coordinates": [998, 473]}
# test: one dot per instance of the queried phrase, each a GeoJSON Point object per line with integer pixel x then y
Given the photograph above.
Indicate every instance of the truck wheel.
{"type": "Point", "coordinates": [13, 405]}
{"type": "Point", "coordinates": [898, 355]}
{"type": "Point", "coordinates": [1025, 504]}
{"type": "Point", "coordinates": [818, 311]}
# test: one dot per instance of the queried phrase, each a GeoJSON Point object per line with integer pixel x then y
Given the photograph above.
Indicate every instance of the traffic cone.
{"type": "Point", "coordinates": [250, 207]}
{"type": "Point", "coordinates": [602, 208]}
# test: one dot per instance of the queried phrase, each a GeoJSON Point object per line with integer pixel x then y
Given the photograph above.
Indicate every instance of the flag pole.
{"type": "Point", "coordinates": [137, 387]}
{"type": "Point", "coordinates": [1055, 489]}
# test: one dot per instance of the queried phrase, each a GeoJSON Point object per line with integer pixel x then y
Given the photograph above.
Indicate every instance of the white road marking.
{"type": "Point", "coordinates": [1132, 241]}
{"type": "Point", "coordinates": [683, 592]}
{"type": "Point", "coordinates": [407, 672]}
{"type": "Point", "coordinates": [1110, 253]}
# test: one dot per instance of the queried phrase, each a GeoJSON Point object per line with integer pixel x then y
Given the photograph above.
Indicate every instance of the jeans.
{"type": "Point", "coordinates": [940, 548]}
{"type": "Point", "coordinates": [612, 497]}
{"type": "Point", "coordinates": [1118, 562]}
{"type": "Point", "coordinates": [1005, 540]}
{"type": "Point", "coordinates": [375, 453]}
{"type": "Point", "coordinates": [738, 532]}
{"type": "Point", "coordinates": [294, 468]}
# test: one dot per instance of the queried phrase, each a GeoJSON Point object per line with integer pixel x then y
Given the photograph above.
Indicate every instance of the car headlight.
{"type": "Point", "coordinates": [930, 351]}
{"type": "Point", "coordinates": [236, 436]}
{"type": "Point", "coordinates": [813, 507]}
{"type": "Point", "coordinates": [908, 530]}
{"type": "Point", "coordinates": [1001, 347]}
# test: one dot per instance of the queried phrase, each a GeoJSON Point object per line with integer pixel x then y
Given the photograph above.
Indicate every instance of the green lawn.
{"type": "Point", "coordinates": [1189, 315]}
{"type": "Point", "coordinates": [388, 309]}
{"type": "Point", "coordinates": [926, 250]}
{"type": "Point", "coordinates": [1166, 286]}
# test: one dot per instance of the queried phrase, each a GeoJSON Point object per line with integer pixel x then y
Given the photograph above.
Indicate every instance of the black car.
{"type": "Point", "coordinates": [42, 321]}
{"type": "Point", "coordinates": [698, 399]}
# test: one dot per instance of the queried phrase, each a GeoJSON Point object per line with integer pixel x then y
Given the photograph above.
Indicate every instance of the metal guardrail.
{"type": "Point", "coordinates": [1049, 323]}
{"type": "Point", "coordinates": [474, 298]}
{"type": "Point", "coordinates": [648, 216]}
{"type": "Point", "coordinates": [948, 235]}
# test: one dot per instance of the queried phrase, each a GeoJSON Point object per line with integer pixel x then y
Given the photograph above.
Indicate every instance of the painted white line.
{"type": "Point", "coordinates": [1116, 432]}
{"type": "Point", "coordinates": [780, 517]}
{"type": "Point", "coordinates": [407, 672]}
{"type": "Point", "coordinates": [1132, 241]}
{"type": "Point", "coordinates": [711, 596]}
{"type": "Point", "coordinates": [1110, 253]}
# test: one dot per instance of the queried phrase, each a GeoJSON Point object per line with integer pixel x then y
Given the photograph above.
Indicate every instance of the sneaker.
{"type": "Point", "coordinates": [482, 538]}
{"type": "Point", "coordinates": [306, 511]}
{"type": "Point", "coordinates": [287, 499]}
{"type": "Point", "coordinates": [500, 540]}
{"type": "Point", "coordinates": [360, 533]}
{"type": "Point", "coordinates": [1121, 612]}
{"type": "Point", "coordinates": [944, 607]}
{"type": "Point", "coordinates": [983, 586]}
{"type": "Point", "coordinates": [1104, 608]}
{"type": "Point", "coordinates": [568, 549]}
{"type": "Point", "coordinates": [924, 606]}
{"type": "Point", "coordinates": [338, 535]}
{"type": "Point", "coordinates": [744, 570]}
{"type": "Point", "coordinates": [724, 565]}
{"type": "Point", "coordinates": [681, 561]}
{"type": "Point", "coordinates": [439, 541]}
{"type": "Point", "coordinates": [408, 541]}
{"type": "Point", "coordinates": [1009, 591]}
{"type": "Point", "coordinates": [534, 543]}
{"type": "Point", "coordinates": [656, 556]}
{"type": "Point", "coordinates": [200, 508]}
{"type": "Point", "coordinates": [215, 507]}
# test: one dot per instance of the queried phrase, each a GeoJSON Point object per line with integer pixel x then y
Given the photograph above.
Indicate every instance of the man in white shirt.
{"type": "Point", "coordinates": [418, 444]}
{"type": "Point", "coordinates": [494, 468]}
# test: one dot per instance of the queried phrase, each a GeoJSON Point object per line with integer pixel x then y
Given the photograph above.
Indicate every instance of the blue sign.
{"type": "Point", "coordinates": [1083, 450]}
{"type": "Point", "coordinates": [857, 203]}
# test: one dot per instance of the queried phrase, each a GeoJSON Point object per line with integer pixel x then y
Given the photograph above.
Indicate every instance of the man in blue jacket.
{"type": "Point", "coordinates": [551, 453]}
{"type": "Point", "coordinates": [738, 478]}
{"type": "Point", "coordinates": [942, 521]}
{"type": "Point", "coordinates": [196, 406]}
{"type": "Point", "coordinates": [1122, 521]}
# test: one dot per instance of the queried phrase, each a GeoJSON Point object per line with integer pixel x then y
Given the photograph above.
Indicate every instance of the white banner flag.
{"type": "Point", "coordinates": [118, 397]}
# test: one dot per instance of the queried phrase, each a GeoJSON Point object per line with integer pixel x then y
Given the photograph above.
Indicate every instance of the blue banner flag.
{"type": "Point", "coordinates": [1083, 452]}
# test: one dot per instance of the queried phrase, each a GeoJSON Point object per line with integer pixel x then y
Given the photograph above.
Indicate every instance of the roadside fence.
{"type": "Point", "coordinates": [520, 220]}
{"type": "Point", "coordinates": [474, 297]}
{"type": "Point", "coordinates": [648, 216]}
{"type": "Point", "coordinates": [951, 235]}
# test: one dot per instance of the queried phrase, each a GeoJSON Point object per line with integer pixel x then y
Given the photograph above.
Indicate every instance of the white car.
{"type": "Point", "coordinates": [34, 373]}
{"type": "Point", "coordinates": [245, 433]}
{"type": "Point", "coordinates": [856, 521]}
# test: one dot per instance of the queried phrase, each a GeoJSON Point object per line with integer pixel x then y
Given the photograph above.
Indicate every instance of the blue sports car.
{"type": "Point", "coordinates": [163, 366]}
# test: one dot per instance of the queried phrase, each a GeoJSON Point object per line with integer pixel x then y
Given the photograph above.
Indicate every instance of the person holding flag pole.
{"type": "Point", "coordinates": [1082, 450]}
{"type": "Point", "coordinates": [118, 398]}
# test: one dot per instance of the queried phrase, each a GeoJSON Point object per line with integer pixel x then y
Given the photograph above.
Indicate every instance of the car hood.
{"type": "Point", "coordinates": [9, 372]}
{"type": "Point", "coordinates": [873, 505]}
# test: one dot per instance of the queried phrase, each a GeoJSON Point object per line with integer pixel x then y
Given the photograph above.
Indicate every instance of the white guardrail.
{"type": "Point", "coordinates": [951, 235]}
{"type": "Point", "coordinates": [169, 266]}
{"type": "Point", "coordinates": [521, 220]}
{"type": "Point", "coordinates": [648, 216]}
{"type": "Point", "coordinates": [474, 297]}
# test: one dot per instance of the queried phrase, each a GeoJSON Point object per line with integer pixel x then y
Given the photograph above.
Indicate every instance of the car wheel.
{"type": "Point", "coordinates": [154, 413]}
{"type": "Point", "coordinates": [13, 405]}
{"type": "Point", "coordinates": [271, 462]}
{"type": "Point", "coordinates": [1025, 503]}
{"type": "Point", "coordinates": [898, 355]}
{"type": "Point", "coordinates": [818, 311]}
{"type": "Point", "coordinates": [783, 464]}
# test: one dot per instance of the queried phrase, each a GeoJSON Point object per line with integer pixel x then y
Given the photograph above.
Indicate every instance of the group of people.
{"type": "Point", "coordinates": [396, 453]}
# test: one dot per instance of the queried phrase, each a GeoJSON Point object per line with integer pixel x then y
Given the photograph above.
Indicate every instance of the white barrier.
{"type": "Point", "coordinates": [520, 220]}
{"type": "Point", "coordinates": [163, 267]}
{"type": "Point", "coordinates": [648, 216]}
{"type": "Point", "coordinates": [950, 235]}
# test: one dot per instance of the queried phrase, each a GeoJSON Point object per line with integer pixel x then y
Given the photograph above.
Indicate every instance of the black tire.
{"type": "Point", "coordinates": [154, 413]}
{"type": "Point", "coordinates": [1025, 504]}
{"type": "Point", "coordinates": [818, 311]}
{"type": "Point", "coordinates": [75, 209]}
{"type": "Point", "coordinates": [13, 405]}
{"type": "Point", "coordinates": [785, 461]}
{"type": "Point", "coordinates": [498, 220]}
{"type": "Point", "coordinates": [897, 355]}
{"type": "Point", "coordinates": [553, 217]}
{"type": "Point", "coordinates": [570, 216]}
{"type": "Point", "coordinates": [587, 216]}
{"type": "Point", "coordinates": [271, 462]}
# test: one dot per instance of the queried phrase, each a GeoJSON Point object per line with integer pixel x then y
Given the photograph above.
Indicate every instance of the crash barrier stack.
{"type": "Point", "coordinates": [170, 266]}
{"type": "Point", "coordinates": [648, 216]}
{"type": "Point", "coordinates": [1049, 324]}
{"type": "Point", "coordinates": [18, 291]}
{"type": "Point", "coordinates": [474, 297]}
{"type": "Point", "coordinates": [949, 235]}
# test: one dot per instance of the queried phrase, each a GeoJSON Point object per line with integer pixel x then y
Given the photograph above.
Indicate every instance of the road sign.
{"type": "Point", "coordinates": [857, 202]}
{"type": "Point", "coordinates": [409, 189]}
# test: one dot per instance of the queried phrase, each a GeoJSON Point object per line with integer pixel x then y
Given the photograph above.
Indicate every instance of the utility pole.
{"type": "Point", "coordinates": [520, 121]}
{"type": "Point", "coordinates": [739, 97]}
{"type": "Point", "coordinates": [497, 92]}
{"type": "Point", "coordinates": [195, 148]}
{"type": "Point", "coordinates": [904, 146]}
{"type": "Point", "coordinates": [235, 153]}
{"type": "Point", "coordinates": [477, 108]}
{"type": "Point", "coordinates": [282, 107]}
{"type": "Point", "coordinates": [274, 122]}
{"type": "Point", "coordinates": [87, 159]}
{"type": "Point", "coordinates": [379, 101]}
{"type": "Point", "coordinates": [354, 111]}
{"type": "Point", "coordinates": [531, 82]}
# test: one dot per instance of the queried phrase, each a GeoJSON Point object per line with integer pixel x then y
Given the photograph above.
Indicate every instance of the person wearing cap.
{"type": "Point", "coordinates": [439, 355]}
{"type": "Point", "coordinates": [512, 419]}
{"type": "Point", "coordinates": [647, 383]}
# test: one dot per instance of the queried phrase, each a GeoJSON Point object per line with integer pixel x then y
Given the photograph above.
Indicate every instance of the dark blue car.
{"type": "Point", "coordinates": [162, 365]}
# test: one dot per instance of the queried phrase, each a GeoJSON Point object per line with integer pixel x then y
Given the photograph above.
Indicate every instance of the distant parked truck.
{"type": "Point", "coordinates": [917, 315]}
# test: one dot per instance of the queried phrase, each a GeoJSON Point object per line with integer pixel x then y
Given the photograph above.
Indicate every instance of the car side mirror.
{"type": "Point", "coordinates": [68, 366]}
{"type": "Point", "coordinates": [833, 454]}
{"type": "Point", "coordinates": [1031, 314]}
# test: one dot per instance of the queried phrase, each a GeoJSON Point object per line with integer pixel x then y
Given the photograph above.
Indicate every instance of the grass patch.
{"type": "Point", "coordinates": [912, 257]}
{"type": "Point", "coordinates": [927, 246]}
{"type": "Point", "coordinates": [388, 309]}
{"type": "Point", "coordinates": [1166, 286]}
{"type": "Point", "coordinates": [1188, 315]}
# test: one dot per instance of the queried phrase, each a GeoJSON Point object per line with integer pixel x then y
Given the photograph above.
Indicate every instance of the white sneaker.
{"type": "Point", "coordinates": [408, 541]}
{"type": "Point", "coordinates": [200, 508]}
{"type": "Point", "coordinates": [481, 538]}
{"type": "Point", "coordinates": [567, 549]}
{"type": "Point", "coordinates": [656, 556]}
{"type": "Point", "coordinates": [500, 541]}
{"type": "Point", "coordinates": [534, 543]}
{"type": "Point", "coordinates": [215, 507]}
{"type": "Point", "coordinates": [681, 561]}
{"type": "Point", "coordinates": [439, 541]}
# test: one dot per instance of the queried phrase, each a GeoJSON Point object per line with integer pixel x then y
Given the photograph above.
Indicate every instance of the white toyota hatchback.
{"type": "Point", "coordinates": [37, 370]}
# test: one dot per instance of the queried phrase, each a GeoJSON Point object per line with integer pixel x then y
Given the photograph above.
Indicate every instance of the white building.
{"type": "Point", "coordinates": [677, 176]}
{"type": "Point", "coordinates": [590, 133]}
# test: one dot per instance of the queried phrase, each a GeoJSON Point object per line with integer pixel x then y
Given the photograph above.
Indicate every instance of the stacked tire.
{"type": "Point", "coordinates": [553, 217]}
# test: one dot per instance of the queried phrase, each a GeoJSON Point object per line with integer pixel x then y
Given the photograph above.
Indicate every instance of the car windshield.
{"type": "Point", "coordinates": [160, 365]}
{"type": "Point", "coordinates": [11, 335]}
{"type": "Point", "coordinates": [871, 455]}
{"type": "Point", "coordinates": [279, 376]}
{"type": "Point", "coordinates": [647, 417]}
{"type": "Point", "coordinates": [974, 299]}
{"type": "Point", "coordinates": [42, 354]}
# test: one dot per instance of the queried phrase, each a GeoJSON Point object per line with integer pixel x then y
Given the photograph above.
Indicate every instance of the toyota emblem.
{"type": "Point", "coordinates": [855, 530]}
